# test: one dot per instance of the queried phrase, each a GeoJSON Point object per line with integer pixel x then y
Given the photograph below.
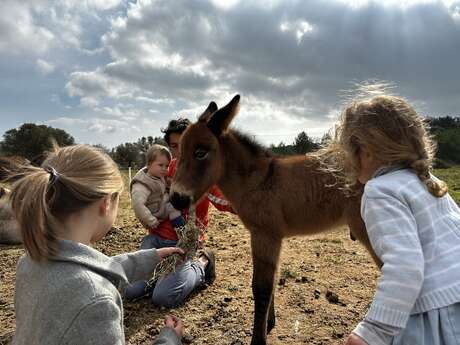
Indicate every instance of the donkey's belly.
{"type": "Point", "coordinates": [313, 226]}
{"type": "Point", "coordinates": [313, 216]}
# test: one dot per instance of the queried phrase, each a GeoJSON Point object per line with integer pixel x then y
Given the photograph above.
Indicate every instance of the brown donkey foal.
{"type": "Point", "coordinates": [275, 197]}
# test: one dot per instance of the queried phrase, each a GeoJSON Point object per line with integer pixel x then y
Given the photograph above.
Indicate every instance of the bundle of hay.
{"type": "Point", "coordinates": [189, 236]}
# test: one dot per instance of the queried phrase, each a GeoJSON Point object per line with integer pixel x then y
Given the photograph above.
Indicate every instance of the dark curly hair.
{"type": "Point", "coordinates": [175, 126]}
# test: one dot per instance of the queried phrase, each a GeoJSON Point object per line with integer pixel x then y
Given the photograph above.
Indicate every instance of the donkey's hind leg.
{"type": "Point", "coordinates": [265, 255]}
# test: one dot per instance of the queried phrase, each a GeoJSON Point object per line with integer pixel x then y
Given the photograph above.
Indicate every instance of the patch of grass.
{"type": "Point", "coordinates": [452, 177]}
{"type": "Point", "coordinates": [335, 259]}
{"type": "Point", "coordinates": [287, 272]}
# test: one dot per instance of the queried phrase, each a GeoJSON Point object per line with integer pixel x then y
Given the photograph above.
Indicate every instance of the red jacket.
{"type": "Point", "coordinates": [214, 196]}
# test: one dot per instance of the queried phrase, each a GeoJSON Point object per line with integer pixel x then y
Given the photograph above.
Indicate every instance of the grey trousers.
{"type": "Point", "coordinates": [172, 290]}
{"type": "Point", "coordinates": [435, 327]}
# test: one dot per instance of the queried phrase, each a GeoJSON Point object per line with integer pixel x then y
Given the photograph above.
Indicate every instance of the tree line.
{"type": "Point", "coordinates": [444, 130]}
{"type": "Point", "coordinates": [31, 141]}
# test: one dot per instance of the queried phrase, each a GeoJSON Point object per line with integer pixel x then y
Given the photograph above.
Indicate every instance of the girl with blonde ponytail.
{"type": "Point", "coordinates": [66, 291]}
{"type": "Point", "coordinates": [412, 223]}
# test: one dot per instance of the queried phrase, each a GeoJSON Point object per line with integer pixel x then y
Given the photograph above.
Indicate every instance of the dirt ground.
{"type": "Point", "coordinates": [310, 269]}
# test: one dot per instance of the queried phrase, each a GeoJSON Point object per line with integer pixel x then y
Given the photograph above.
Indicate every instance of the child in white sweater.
{"type": "Point", "coordinates": [412, 222]}
{"type": "Point", "coordinates": [149, 191]}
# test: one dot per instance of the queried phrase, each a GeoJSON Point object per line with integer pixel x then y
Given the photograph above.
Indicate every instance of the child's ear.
{"type": "Point", "coordinates": [369, 156]}
{"type": "Point", "coordinates": [104, 205]}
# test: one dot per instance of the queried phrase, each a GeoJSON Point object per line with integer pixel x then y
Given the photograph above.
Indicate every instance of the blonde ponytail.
{"type": "Point", "coordinates": [36, 223]}
{"type": "Point", "coordinates": [437, 188]}
{"type": "Point", "coordinates": [42, 198]}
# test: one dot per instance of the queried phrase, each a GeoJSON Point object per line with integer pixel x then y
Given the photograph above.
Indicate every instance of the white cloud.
{"type": "Point", "coordinates": [225, 4]}
{"type": "Point", "coordinates": [45, 67]}
{"type": "Point", "coordinates": [455, 11]}
{"type": "Point", "coordinates": [299, 28]}
{"type": "Point", "coordinates": [89, 102]}
{"type": "Point", "coordinates": [452, 6]}
{"type": "Point", "coordinates": [102, 128]}
{"type": "Point", "coordinates": [18, 31]}
{"type": "Point", "coordinates": [97, 125]}
{"type": "Point", "coordinates": [103, 4]}
{"type": "Point", "coordinates": [66, 121]}
{"type": "Point", "coordinates": [155, 101]}
{"type": "Point", "coordinates": [289, 61]}
{"type": "Point", "coordinates": [35, 26]}
{"type": "Point", "coordinates": [123, 112]}
{"type": "Point", "coordinates": [90, 86]}
{"type": "Point", "coordinates": [141, 63]}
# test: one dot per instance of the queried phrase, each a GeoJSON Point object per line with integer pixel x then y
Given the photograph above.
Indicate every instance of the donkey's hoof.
{"type": "Point", "coordinates": [258, 342]}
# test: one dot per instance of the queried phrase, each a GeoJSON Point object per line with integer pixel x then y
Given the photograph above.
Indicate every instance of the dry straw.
{"type": "Point", "coordinates": [189, 236]}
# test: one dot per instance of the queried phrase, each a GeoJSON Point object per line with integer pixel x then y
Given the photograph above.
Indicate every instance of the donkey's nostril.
{"type": "Point", "coordinates": [180, 201]}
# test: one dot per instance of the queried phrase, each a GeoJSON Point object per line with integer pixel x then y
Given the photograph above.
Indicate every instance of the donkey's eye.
{"type": "Point", "coordinates": [200, 154]}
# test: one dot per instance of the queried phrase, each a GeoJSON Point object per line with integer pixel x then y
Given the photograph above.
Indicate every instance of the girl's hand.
{"type": "Point", "coordinates": [175, 323]}
{"type": "Point", "coordinates": [164, 252]}
{"type": "Point", "coordinates": [353, 339]}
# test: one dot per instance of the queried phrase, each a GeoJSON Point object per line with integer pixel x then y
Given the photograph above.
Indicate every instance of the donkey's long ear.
{"type": "Point", "coordinates": [212, 108]}
{"type": "Point", "coordinates": [220, 120]}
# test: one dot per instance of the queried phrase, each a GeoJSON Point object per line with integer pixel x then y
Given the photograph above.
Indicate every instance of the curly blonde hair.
{"type": "Point", "coordinates": [392, 132]}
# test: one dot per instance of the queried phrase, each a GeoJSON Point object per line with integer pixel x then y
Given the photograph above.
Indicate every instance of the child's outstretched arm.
{"type": "Point", "coordinates": [394, 237]}
{"type": "Point", "coordinates": [139, 265]}
{"type": "Point", "coordinates": [139, 195]}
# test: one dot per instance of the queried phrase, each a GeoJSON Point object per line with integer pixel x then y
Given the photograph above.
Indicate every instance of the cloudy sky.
{"type": "Point", "coordinates": [111, 71]}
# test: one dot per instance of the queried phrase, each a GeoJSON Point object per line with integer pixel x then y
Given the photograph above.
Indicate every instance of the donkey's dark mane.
{"type": "Point", "coordinates": [254, 147]}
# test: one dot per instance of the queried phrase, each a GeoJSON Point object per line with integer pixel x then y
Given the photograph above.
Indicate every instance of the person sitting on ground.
{"type": "Point", "coordinates": [67, 292]}
{"type": "Point", "coordinates": [149, 197]}
{"type": "Point", "coordinates": [172, 290]}
{"type": "Point", "coordinates": [150, 202]}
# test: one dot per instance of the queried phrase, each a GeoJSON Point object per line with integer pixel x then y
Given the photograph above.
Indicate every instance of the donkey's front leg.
{"type": "Point", "coordinates": [358, 229]}
{"type": "Point", "coordinates": [271, 315]}
{"type": "Point", "coordinates": [265, 255]}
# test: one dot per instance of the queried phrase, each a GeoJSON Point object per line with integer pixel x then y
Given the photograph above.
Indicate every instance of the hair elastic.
{"type": "Point", "coordinates": [54, 175]}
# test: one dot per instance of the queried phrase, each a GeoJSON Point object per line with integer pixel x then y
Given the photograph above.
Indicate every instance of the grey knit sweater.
{"type": "Point", "coordinates": [73, 298]}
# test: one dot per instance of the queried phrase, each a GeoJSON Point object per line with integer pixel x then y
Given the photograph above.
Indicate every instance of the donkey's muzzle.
{"type": "Point", "coordinates": [180, 201]}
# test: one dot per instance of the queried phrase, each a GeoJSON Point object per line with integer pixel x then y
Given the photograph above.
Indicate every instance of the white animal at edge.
{"type": "Point", "coordinates": [9, 232]}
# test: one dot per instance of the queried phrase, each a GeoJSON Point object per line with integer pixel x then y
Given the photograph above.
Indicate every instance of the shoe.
{"type": "Point", "coordinates": [210, 269]}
